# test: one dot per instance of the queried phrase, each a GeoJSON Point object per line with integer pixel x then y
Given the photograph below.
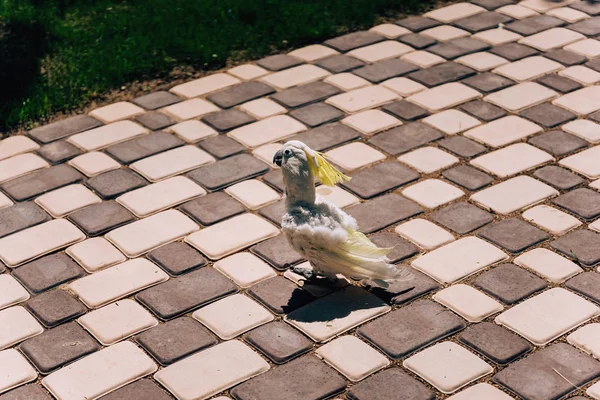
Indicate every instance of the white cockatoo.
{"type": "Point", "coordinates": [319, 230]}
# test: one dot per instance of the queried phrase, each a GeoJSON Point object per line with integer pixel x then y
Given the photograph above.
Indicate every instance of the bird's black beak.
{"type": "Point", "coordinates": [277, 158]}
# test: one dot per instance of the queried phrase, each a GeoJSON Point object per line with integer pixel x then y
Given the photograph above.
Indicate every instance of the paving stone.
{"type": "Point", "coordinates": [490, 133]}
{"type": "Point", "coordinates": [277, 252]}
{"type": "Point", "coordinates": [584, 339]}
{"type": "Point", "coordinates": [405, 110]}
{"type": "Point", "coordinates": [559, 83]}
{"type": "Point", "coordinates": [155, 120]}
{"type": "Point", "coordinates": [417, 41]}
{"type": "Point", "coordinates": [565, 57]}
{"type": "Point", "coordinates": [279, 62]}
{"type": "Point", "coordinates": [221, 146]}
{"type": "Point", "coordinates": [104, 136]}
{"type": "Point", "coordinates": [432, 193]}
{"type": "Point", "coordinates": [587, 27]}
{"type": "Point", "coordinates": [548, 265]}
{"type": "Point", "coordinates": [27, 392]}
{"type": "Point", "coordinates": [417, 23]}
{"type": "Point", "coordinates": [582, 101]}
{"type": "Point", "coordinates": [278, 341]}
{"type": "Point", "coordinates": [192, 130]}
{"type": "Point", "coordinates": [156, 100]}
{"type": "Point", "coordinates": [20, 216]}
{"type": "Point", "coordinates": [509, 283]}
{"type": "Point", "coordinates": [55, 307]}
{"type": "Point", "coordinates": [551, 219]}
{"type": "Point", "coordinates": [483, 110]}
{"type": "Point", "coordinates": [135, 149]}
{"type": "Point", "coordinates": [17, 325]}
{"type": "Point", "coordinates": [453, 12]}
{"type": "Point", "coordinates": [191, 108]}
{"type": "Point", "coordinates": [585, 129]}
{"type": "Point", "coordinates": [401, 248]}
{"type": "Point", "coordinates": [579, 367]}
{"type": "Point", "coordinates": [353, 40]}
{"type": "Point", "coordinates": [462, 217]}
{"type": "Point", "coordinates": [12, 292]}
{"type": "Point", "coordinates": [423, 59]}
{"type": "Point", "coordinates": [533, 25]}
{"type": "Point", "coordinates": [372, 181]}
{"type": "Point", "coordinates": [393, 383]}
{"type": "Point", "coordinates": [102, 217]}
{"type": "Point", "coordinates": [63, 128]}
{"type": "Point", "coordinates": [327, 136]}
{"type": "Point", "coordinates": [227, 120]}
{"type": "Point", "coordinates": [384, 211]}
{"type": "Point", "coordinates": [594, 64]}
{"type": "Point", "coordinates": [462, 146]}
{"type": "Point", "coordinates": [513, 235]}
{"type": "Point", "coordinates": [38, 182]}
{"type": "Point", "coordinates": [274, 212]}
{"type": "Point", "coordinates": [316, 51]}
{"type": "Point", "coordinates": [467, 177]}
{"type": "Point", "coordinates": [94, 163]}
{"type": "Point", "coordinates": [20, 165]}
{"type": "Point", "coordinates": [177, 258]}
{"type": "Point", "coordinates": [583, 202]}
{"type": "Point", "coordinates": [295, 76]}
{"type": "Point", "coordinates": [405, 138]}
{"type": "Point", "coordinates": [116, 111]}
{"type": "Point", "coordinates": [371, 121]}
{"type": "Point", "coordinates": [552, 38]}
{"type": "Point", "coordinates": [492, 4]}
{"type": "Point", "coordinates": [588, 8]}
{"type": "Point", "coordinates": [14, 145]}
{"type": "Point", "coordinates": [403, 292]}
{"type": "Point", "coordinates": [511, 160]}
{"type": "Point", "coordinates": [494, 342]}
{"type": "Point", "coordinates": [586, 284]}
{"type": "Point", "coordinates": [521, 96]}
{"type": "Point", "coordinates": [442, 73]}
{"type": "Point", "coordinates": [280, 295]}
{"type": "Point", "coordinates": [144, 388]}
{"type": "Point", "coordinates": [228, 171]}
{"type": "Point", "coordinates": [468, 302]}
{"type": "Point", "coordinates": [583, 162]}
{"type": "Point", "coordinates": [548, 115]}
{"type": "Point", "coordinates": [15, 370]}
{"type": "Point", "coordinates": [58, 152]}
{"type": "Point", "coordinates": [382, 70]}
{"type": "Point", "coordinates": [558, 177]}
{"type": "Point", "coordinates": [428, 159]}
{"type": "Point", "coordinates": [582, 245]}
{"type": "Point", "coordinates": [354, 155]}
{"type": "Point", "coordinates": [557, 143]}
{"type": "Point", "coordinates": [381, 51]}
{"type": "Point", "coordinates": [244, 269]}
{"type": "Point", "coordinates": [114, 183]}
{"type": "Point", "coordinates": [205, 85]}
{"type": "Point", "coordinates": [482, 21]}
{"type": "Point", "coordinates": [47, 272]}
{"type": "Point", "coordinates": [317, 114]}
{"type": "Point", "coordinates": [352, 357]}
{"type": "Point", "coordinates": [347, 81]}
{"type": "Point", "coordinates": [459, 47]}
{"type": "Point", "coordinates": [212, 208]}
{"type": "Point", "coordinates": [340, 63]}
{"type": "Point", "coordinates": [488, 82]}
{"type": "Point", "coordinates": [63, 201]}
{"type": "Point", "coordinates": [514, 51]}
{"type": "Point", "coordinates": [171, 162]}
{"type": "Point", "coordinates": [179, 295]}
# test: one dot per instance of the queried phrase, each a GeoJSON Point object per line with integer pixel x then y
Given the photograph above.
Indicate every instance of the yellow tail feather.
{"type": "Point", "coordinates": [325, 172]}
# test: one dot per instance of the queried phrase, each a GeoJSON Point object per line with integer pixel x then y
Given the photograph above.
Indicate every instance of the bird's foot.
{"type": "Point", "coordinates": [307, 272]}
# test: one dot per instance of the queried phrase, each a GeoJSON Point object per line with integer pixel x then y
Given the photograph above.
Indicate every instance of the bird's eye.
{"type": "Point", "coordinates": [287, 152]}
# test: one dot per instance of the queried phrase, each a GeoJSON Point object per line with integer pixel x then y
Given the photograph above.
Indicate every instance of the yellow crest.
{"type": "Point", "coordinates": [324, 171]}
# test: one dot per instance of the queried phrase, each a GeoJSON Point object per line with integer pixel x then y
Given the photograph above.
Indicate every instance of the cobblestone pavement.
{"type": "Point", "coordinates": [142, 256]}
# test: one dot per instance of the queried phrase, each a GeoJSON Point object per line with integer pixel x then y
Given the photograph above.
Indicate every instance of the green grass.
{"type": "Point", "coordinates": [56, 55]}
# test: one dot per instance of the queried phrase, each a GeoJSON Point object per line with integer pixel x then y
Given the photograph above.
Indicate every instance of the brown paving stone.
{"type": "Point", "coordinates": [379, 178]}
{"type": "Point", "coordinates": [144, 146]}
{"type": "Point", "coordinates": [21, 216]}
{"type": "Point", "coordinates": [405, 110]}
{"type": "Point", "coordinates": [317, 114]}
{"type": "Point", "coordinates": [156, 100]}
{"type": "Point", "coordinates": [483, 110]}
{"type": "Point", "coordinates": [212, 208]}
{"type": "Point", "coordinates": [594, 64]}
{"type": "Point", "coordinates": [274, 212]}
{"type": "Point", "coordinates": [376, 214]}
{"type": "Point", "coordinates": [55, 307]}
{"type": "Point", "coordinates": [488, 82]}
{"type": "Point", "coordinates": [467, 177]}
{"type": "Point", "coordinates": [558, 177]}
{"type": "Point", "coordinates": [492, 4]}
{"type": "Point", "coordinates": [458, 47]}
{"type": "Point", "coordinates": [557, 143]}
{"type": "Point", "coordinates": [177, 258]}
{"type": "Point", "coordinates": [275, 180]}
{"type": "Point", "coordinates": [403, 292]}
{"type": "Point", "coordinates": [496, 343]}
{"type": "Point", "coordinates": [353, 40]}
{"type": "Point", "coordinates": [143, 389]}
{"type": "Point", "coordinates": [38, 182]}
{"type": "Point", "coordinates": [101, 217]}
{"type": "Point", "coordinates": [587, 7]}
{"type": "Point", "coordinates": [509, 283]}
{"type": "Point", "coordinates": [47, 272]}
{"type": "Point", "coordinates": [383, 70]}
{"type": "Point", "coordinates": [595, 116]}
{"type": "Point", "coordinates": [63, 128]}
{"type": "Point", "coordinates": [303, 95]}
{"type": "Point", "coordinates": [533, 25]}
{"type": "Point", "coordinates": [513, 51]}
{"type": "Point", "coordinates": [240, 94]}
{"type": "Point", "coordinates": [228, 119]}
{"type": "Point", "coordinates": [277, 252]}
{"type": "Point", "coordinates": [442, 73]}
{"type": "Point", "coordinates": [28, 392]}
{"type": "Point", "coordinates": [417, 24]}
{"type": "Point", "coordinates": [405, 138]}
{"type": "Point", "coordinates": [462, 146]}
{"type": "Point", "coordinates": [462, 217]}
{"type": "Point", "coordinates": [401, 248]}
{"type": "Point", "coordinates": [182, 294]}
{"type": "Point", "coordinates": [548, 115]}
{"type": "Point", "coordinates": [279, 62]}
{"type": "Point", "coordinates": [513, 234]}
{"type": "Point", "coordinates": [176, 339]}
{"type": "Point", "coordinates": [559, 83]}
{"type": "Point", "coordinates": [339, 63]}
{"type": "Point", "coordinates": [58, 152]}
{"type": "Point", "coordinates": [222, 146]}
{"type": "Point", "coordinates": [583, 202]}
{"type": "Point", "coordinates": [280, 295]}
{"type": "Point", "coordinates": [228, 171]}
{"type": "Point", "coordinates": [535, 376]}
{"type": "Point", "coordinates": [278, 341]}
{"type": "Point", "coordinates": [410, 328]}
{"type": "Point", "coordinates": [588, 27]}
{"type": "Point", "coordinates": [582, 245]}
{"type": "Point", "coordinates": [327, 136]}
{"type": "Point", "coordinates": [417, 41]}
{"type": "Point", "coordinates": [565, 57]}
{"type": "Point", "coordinates": [155, 120]}
{"type": "Point", "coordinates": [390, 384]}
{"type": "Point", "coordinates": [482, 21]}
{"type": "Point", "coordinates": [289, 382]}
{"type": "Point", "coordinates": [116, 182]}
{"type": "Point", "coordinates": [586, 283]}
{"type": "Point", "coordinates": [58, 346]}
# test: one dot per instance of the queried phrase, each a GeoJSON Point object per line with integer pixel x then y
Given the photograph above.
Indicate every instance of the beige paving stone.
{"type": "Point", "coordinates": [482, 61]}
{"type": "Point", "coordinates": [253, 194]}
{"type": "Point", "coordinates": [445, 33]}
{"type": "Point", "coordinates": [595, 184]}
{"type": "Point", "coordinates": [521, 96]}
{"type": "Point", "coordinates": [100, 373]}
{"type": "Point", "coordinates": [205, 85]}
{"type": "Point", "coordinates": [146, 234]}
{"type": "Point", "coordinates": [266, 152]}
{"type": "Point", "coordinates": [11, 291]}
{"type": "Point", "coordinates": [587, 47]}
{"type": "Point", "coordinates": [481, 391]}
{"type": "Point", "coordinates": [313, 52]}
{"type": "Point", "coordinates": [370, 122]}
{"type": "Point", "coordinates": [453, 12]}
{"type": "Point", "coordinates": [63, 201]}
{"type": "Point", "coordinates": [503, 131]}
{"type": "Point", "coordinates": [548, 315]}
{"type": "Point", "coordinates": [594, 391]}
{"type": "Point", "coordinates": [568, 14]}
{"type": "Point", "coordinates": [295, 76]}
{"type": "Point", "coordinates": [94, 163]}
{"type": "Point", "coordinates": [116, 112]}
{"type": "Point", "coordinates": [232, 316]}
{"type": "Point", "coordinates": [346, 81]}
{"type": "Point", "coordinates": [337, 196]}
{"type": "Point", "coordinates": [380, 51]}
{"type": "Point", "coordinates": [469, 303]}
{"type": "Point", "coordinates": [390, 31]}
{"type": "Point", "coordinates": [95, 254]}
{"type": "Point", "coordinates": [192, 131]}
{"type": "Point", "coordinates": [585, 162]}
{"type": "Point", "coordinates": [160, 196]}
{"type": "Point", "coordinates": [451, 122]}
{"type": "Point", "coordinates": [595, 226]}
{"type": "Point", "coordinates": [552, 38]}
{"type": "Point", "coordinates": [424, 234]}
{"type": "Point", "coordinates": [354, 306]}
{"type": "Point", "coordinates": [403, 86]}
{"type": "Point", "coordinates": [432, 193]}
{"type": "Point", "coordinates": [247, 71]}
{"type": "Point", "coordinates": [5, 201]}
{"type": "Point", "coordinates": [512, 160]}
{"type": "Point", "coordinates": [548, 265]}
{"type": "Point", "coordinates": [497, 36]}
{"type": "Point", "coordinates": [227, 237]}
{"type": "Point", "coordinates": [528, 68]}
{"type": "Point", "coordinates": [107, 135]}
{"type": "Point", "coordinates": [551, 219]}
{"type": "Point", "coordinates": [513, 194]}
{"type": "Point", "coordinates": [447, 366]}
{"type": "Point", "coordinates": [423, 59]}
{"type": "Point", "coordinates": [117, 282]}
{"type": "Point", "coordinates": [517, 11]}
{"type": "Point", "coordinates": [262, 108]}
{"type": "Point", "coordinates": [583, 101]}
{"type": "Point", "coordinates": [189, 109]}
{"type": "Point", "coordinates": [245, 269]}
{"type": "Point", "coordinates": [428, 159]}
{"type": "Point", "coordinates": [362, 99]}
{"type": "Point", "coordinates": [354, 155]}
{"type": "Point", "coordinates": [117, 321]}
{"type": "Point", "coordinates": [270, 129]}
{"type": "Point", "coordinates": [14, 370]}
{"type": "Point", "coordinates": [458, 259]}
{"type": "Point", "coordinates": [314, 289]}
{"type": "Point", "coordinates": [38, 240]}
{"type": "Point", "coordinates": [444, 96]}
{"type": "Point", "coordinates": [172, 162]}
{"type": "Point", "coordinates": [19, 165]}
{"type": "Point", "coordinates": [352, 357]}
{"type": "Point", "coordinates": [581, 74]}
{"type": "Point", "coordinates": [587, 339]}
{"type": "Point", "coordinates": [585, 129]}
{"type": "Point", "coordinates": [542, 5]}
{"type": "Point", "coordinates": [211, 371]}
{"type": "Point", "coordinates": [14, 145]}
{"type": "Point", "coordinates": [16, 325]}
